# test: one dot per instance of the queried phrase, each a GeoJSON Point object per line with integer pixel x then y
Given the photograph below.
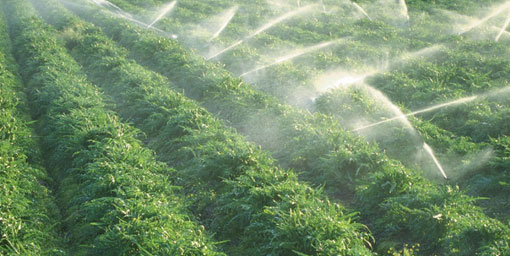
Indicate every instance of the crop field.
{"type": "Point", "coordinates": [255, 127]}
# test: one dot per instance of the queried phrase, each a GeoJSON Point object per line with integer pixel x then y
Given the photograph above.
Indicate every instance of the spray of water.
{"type": "Point", "coordinates": [431, 153]}
{"type": "Point", "coordinates": [293, 55]}
{"type": "Point", "coordinates": [404, 116]}
{"type": "Point", "coordinates": [425, 52]}
{"type": "Point", "coordinates": [392, 107]}
{"type": "Point", "coordinates": [503, 29]}
{"type": "Point", "coordinates": [403, 8]}
{"type": "Point", "coordinates": [360, 9]}
{"type": "Point", "coordinates": [498, 10]}
{"type": "Point", "coordinates": [266, 27]}
{"type": "Point", "coordinates": [347, 79]}
{"type": "Point", "coordinates": [397, 111]}
{"type": "Point", "coordinates": [493, 93]}
{"type": "Point", "coordinates": [226, 20]}
{"type": "Point", "coordinates": [344, 81]}
{"type": "Point", "coordinates": [111, 7]}
{"type": "Point", "coordinates": [163, 12]}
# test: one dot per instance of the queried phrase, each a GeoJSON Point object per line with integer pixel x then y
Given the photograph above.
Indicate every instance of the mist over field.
{"type": "Point", "coordinates": [254, 127]}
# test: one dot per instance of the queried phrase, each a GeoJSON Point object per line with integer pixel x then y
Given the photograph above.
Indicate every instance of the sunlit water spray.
{"type": "Point", "coordinates": [293, 55]}
{"type": "Point", "coordinates": [403, 9]}
{"type": "Point", "coordinates": [493, 93]}
{"type": "Point", "coordinates": [429, 150]}
{"type": "Point", "coordinates": [265, 27]}
{"type": "Point", "coordinates": [503, 29]}
{"type": "Point", "coordinates": [397, 111]}
{"type": "Point", "coordinates": [163, 12]}
{"type": "Point", "coordinates": [348, 79]}
{"type": "Point", "coordinates": [498, 10]}
{"type": "Point", "coordinates": [404, 116]}
{"type": "Point", "coordinates": [107, 4]}
{"type": "Point", "coordinates": [360, 9]}
{"type": "Point", "coordinates": [118, 12]}
{"type": "Point", "coordinates": [226, 20]}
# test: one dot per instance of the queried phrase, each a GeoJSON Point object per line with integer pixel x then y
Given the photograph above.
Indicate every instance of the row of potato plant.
{"type": "Point", "coordinates": [234, 186]}
{"type": "Point", "coordinates": [383, 181]}
{"type": "Point", "coordinates": [28, 214]}
{"type": "Point", "coordinates": [116, 199]}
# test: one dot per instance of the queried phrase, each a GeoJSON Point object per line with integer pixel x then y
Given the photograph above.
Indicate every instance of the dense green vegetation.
{"type": "Point", "coordinates": [115, 198]}
{"type": "Point", "coordinates": [233, 185]}
{"type": "Point", "coordinates": [282, 160]}
{"type": "Point", "coordinates": [203, 81]}
{"type": "Point", "coordinates": [467, 64]}
{"type": "Point", "coordinates": [28, 215]}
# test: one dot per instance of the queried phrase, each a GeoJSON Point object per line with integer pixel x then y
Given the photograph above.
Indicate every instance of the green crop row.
{"type": "Point", "coordinates": [116, 199]}
{"type": "Point", "coordinates": [291, 82]}
{"type": "Point", "coordinates": [235, 187]}
{"type": "Point", "coordinates": [316, 145]}
{"type": "Point", "coordinates": [466, 66]}
{"type": "Point", "coordinates": [28, 214]}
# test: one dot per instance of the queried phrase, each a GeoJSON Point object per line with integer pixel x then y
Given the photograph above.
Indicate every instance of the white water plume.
{"type": "Point", "coordinates": [360, 9]}
{"type": "Point", "coordinates": [462, 21]}
{"type": "Point", "coordinates": [265, 27]}
{"type": "Point", "coordinates": [493, 93]}
{"type": "Point", "coordinates": [342, 81]}
{"type": "Point", "coordinates": [431, 153]}
{"type": "Point", "coordinates": [111, 7]}
{"type": "Point", "coordinates": [425, 52]}
{"type": "Point", "coordinates": [293, 55]}
{"type": "Point", "coordinates": [281, 18]}
{"type": "Point", "coordinates": [404, 116]}
{"type": "Point", "coordinates": [403, 9]}
{"type": "Point", "coordinates": [397, 111]}
{"type": "Point", "coordinates": [335, 79]}
{"type": "Point", "coordinates": [230, 13]}
{"type": "Point", "coordinates": [497, 10]}
{"type": "Point", "coordinates": [379, 96]}
{"type": "Point", "coordinates": [163, 12]}
{"type": "Point", "coordinates": [503, 29]}
{"type": "Point", "coordinates": [106, 5]}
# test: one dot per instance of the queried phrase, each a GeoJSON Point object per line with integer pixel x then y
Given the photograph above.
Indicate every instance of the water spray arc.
{"type": "Point", "coordinates": [118, 12]}
{"type": "Point", "coordinates": [346, 80]}
{"type": "Point", "coordinates": [163, 12]}
{"type": "Point", "coordinates": [398, 112]}
{"type": "Point", "coordinates": [495, 13]}
{"type": "Point", "coordinates": [403, 9]}
{"type": "Point", "coordinates": [503, 29]}
{"type": "Point", "coordinates": [265, 27]}
{"type": "Point", "coordinates": [228, 17]}
{"type": "Point", "coordinates": [429, 150]}
{"type": "Point", "coordinates": [293, 55]}
{"type": "Point", "coordinates": [360, 9]}
{"type": "Point", "coordinates": [404, 116]}
{"type": "Point", "coordinates": [493, 93]}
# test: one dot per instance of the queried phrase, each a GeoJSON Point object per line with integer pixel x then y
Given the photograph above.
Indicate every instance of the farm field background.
{"type": "Point", "coordinates": [254, 127]}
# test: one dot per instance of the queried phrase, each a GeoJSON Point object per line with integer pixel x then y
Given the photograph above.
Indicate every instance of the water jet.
{"type": "Point", "coordinates": [163, 12]}
{"type": "Point", "coordinates": [227, 18]}
{"type": "Point", "coordinates": [293, 55]}
{"type": "Point", "coordinates": [265, 27]}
